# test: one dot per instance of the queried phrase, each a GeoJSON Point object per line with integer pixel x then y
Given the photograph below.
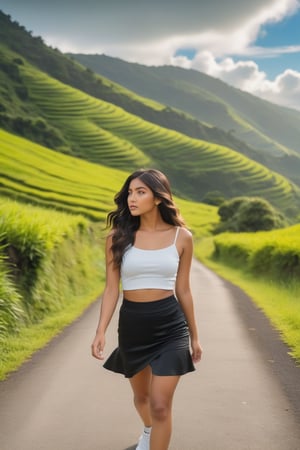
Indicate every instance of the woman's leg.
{"type": "Point", "coordinates": [161, 397]}
{"type": "Point", "coordinates": [141, 386]}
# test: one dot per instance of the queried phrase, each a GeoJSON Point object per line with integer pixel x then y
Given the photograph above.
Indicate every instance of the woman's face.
{"type": "Point", "coordinates": [140, 198]}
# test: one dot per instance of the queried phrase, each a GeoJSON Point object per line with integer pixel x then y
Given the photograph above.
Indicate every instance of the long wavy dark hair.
{"type": "Point", "coordinates": [124, 225]}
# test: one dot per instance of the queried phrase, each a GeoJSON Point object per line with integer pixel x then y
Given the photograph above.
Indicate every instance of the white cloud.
{"type": "Point", "coordinates": [285, 89]}
{"type": "Point", "coordinates": [222, 27]}
{"type": "Point", "coordinates": [151, 33]}
{"type": "Point", "coordinates": [245, 75]}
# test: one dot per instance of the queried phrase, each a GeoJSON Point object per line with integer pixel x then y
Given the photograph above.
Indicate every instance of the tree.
{"type": "Point", "coordinates": [249, 214]}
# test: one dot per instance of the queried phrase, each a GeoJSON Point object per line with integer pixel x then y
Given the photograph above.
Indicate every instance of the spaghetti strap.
{"type": "Point", "coordinates": [176, 235]}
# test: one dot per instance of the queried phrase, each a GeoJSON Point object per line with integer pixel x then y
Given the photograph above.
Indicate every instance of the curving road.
{"type": "Point", "coordinates": [245, 394]}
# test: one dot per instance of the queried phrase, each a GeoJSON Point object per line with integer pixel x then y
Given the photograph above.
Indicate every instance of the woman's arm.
{"type": "Point", "coordinates": [183, 290]}
{"type": "Point", "coordinates": [108, 302]}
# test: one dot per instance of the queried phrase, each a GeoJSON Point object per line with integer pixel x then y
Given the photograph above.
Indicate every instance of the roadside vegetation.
{"type": "Point", "coordinates": [266, 265]}
{"type": "Point", "coordinates": [51, 268]}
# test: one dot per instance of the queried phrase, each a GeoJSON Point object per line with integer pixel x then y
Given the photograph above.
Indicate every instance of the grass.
{"type": "Point", "coordinates": [55, 269]}
{"type": "Point", "coordinates": [199, 217]}
{"type": "Point", "coordinates": [279, 301]}
{"type": "Point", "coordinates": [274, 253]}
{"type": "Point", "coordinates": [35, 174]}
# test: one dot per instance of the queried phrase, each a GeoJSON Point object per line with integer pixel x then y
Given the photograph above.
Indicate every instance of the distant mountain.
{"type": "Point", "coordinates": [272, 130]}
{"type": "Point", "coordinates": [44, 98]}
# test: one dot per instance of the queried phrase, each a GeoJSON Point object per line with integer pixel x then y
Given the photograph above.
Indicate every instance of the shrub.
{"type": "Point", "coordinates": [51, 257]}
{"type": "Point", "coordinates": [274, 254]}
{"type": "Point", "coordinates": [249, 214]}
{"type": "Point", "coordinates": [11, 312]}
{"type": "Point", "coordinates": [258, 214]}
{"type": "Point", "coordinates": [230, 207]}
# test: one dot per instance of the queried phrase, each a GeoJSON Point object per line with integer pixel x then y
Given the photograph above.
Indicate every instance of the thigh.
{"type": "Point", "coordinates": [163, 388]}
{"type": "Point", "coordinates": [141, 382]}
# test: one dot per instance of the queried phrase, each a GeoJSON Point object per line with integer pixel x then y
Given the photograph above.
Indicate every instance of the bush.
{"type": "Point", "coordinates": [249, 214]}
{"type": "Point", "coordinates": [274, 254]}
{"type": "Point", "coordinates": [51, 257]}
{"type": "Point", "coordinates": [11, 312]}
{"type": "Point", "coordinates": [230, 207]}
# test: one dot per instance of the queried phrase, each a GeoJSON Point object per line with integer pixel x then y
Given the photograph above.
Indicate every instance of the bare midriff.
{"type": "Point", "coordinates": [147, 295]}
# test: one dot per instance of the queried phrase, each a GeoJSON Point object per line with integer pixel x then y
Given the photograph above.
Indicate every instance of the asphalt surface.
{"type": "Point", "coordinates": [245, 394]}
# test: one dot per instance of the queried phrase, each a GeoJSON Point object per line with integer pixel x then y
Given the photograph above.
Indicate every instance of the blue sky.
{"type": "Point", "coordinates": [254, 46]}
{"type": "Point", "coordinates": [284, 33]}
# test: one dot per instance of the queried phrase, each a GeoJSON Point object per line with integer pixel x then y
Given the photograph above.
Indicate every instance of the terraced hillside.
{"type": "Point", "coordinates": [34, 174]}
{"type": "Point", "coordinates": [105, 134]}
{"type": "Point", "coordinates": [270, 129]}
{"type": "Point", "coordinates": [15, 38]}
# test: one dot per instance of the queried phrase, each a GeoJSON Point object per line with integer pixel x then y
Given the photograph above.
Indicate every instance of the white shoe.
{"type": "Point", "coordinates": [144, 442]}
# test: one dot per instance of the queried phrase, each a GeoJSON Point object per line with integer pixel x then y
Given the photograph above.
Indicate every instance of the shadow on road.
{"type": "Point", "coordinates": [131, 448]}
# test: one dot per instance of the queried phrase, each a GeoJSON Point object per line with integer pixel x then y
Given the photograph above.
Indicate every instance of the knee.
{"type": "Point", "coordinates": [160, 411]}
{"type": "Point", "coordinates": [141, 398]}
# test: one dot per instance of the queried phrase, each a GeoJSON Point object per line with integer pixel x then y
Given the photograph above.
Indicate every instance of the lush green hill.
{"type": "Point", "coordinates": [51, 61]}
{"type": "Point", "coordinates": [34, 174]}
{"type": "Point", "coordinates": [103, 133]}
{"type": "Point", "coordinates": [100, 132]}
{"type": "Point", "coordinates": [272, 130]}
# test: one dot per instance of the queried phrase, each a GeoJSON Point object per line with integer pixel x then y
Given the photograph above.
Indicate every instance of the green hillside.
{"type": "Point", "coordinates": [100, 132]}
{"type": "Point", "coordinates": [273, 131]}
{"type": "Point", "coordinates": [15, 37]}
{"type": "Point", "coordinates": [103, 133]}
{"type": "Point", "coordinates": [34, 174]}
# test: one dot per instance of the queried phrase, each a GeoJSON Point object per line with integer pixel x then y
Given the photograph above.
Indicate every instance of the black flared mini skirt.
{"type": "Point", "coordinates": [152, 333]}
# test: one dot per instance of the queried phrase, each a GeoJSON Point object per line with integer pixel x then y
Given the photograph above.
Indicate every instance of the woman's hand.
{"type": "Point", "coordinates": [98, 346]}
{"type": "Point", "coordinates": [196, 351]}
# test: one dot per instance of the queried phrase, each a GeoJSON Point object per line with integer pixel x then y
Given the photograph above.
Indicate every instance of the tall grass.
{"type": "Point", "coordinates": [50, 256]}
{"type": "Point", "coordinates": [11, 311]}
{"type": "Point", "coordinates": [275, 254]}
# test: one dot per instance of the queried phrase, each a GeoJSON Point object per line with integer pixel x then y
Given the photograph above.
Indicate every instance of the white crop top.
{"type": "Point", "coordinates": [150, 269]}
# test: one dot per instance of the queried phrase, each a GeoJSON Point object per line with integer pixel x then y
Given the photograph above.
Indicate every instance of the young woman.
{"type": "Point", "coordinates": [150, 251]}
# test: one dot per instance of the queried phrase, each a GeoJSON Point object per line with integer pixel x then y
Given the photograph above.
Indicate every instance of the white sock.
{"type": "Point", "coordinates": [147, 430]}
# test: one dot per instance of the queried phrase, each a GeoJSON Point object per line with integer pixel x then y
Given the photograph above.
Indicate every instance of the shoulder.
{"type": "Point", "coordinates": [184, 241]}
{"type": "Point", "coordinates": [184, 234]}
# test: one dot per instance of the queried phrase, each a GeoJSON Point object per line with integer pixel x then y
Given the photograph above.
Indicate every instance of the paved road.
{"type": "Point", "coordinates": [245, 394]}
